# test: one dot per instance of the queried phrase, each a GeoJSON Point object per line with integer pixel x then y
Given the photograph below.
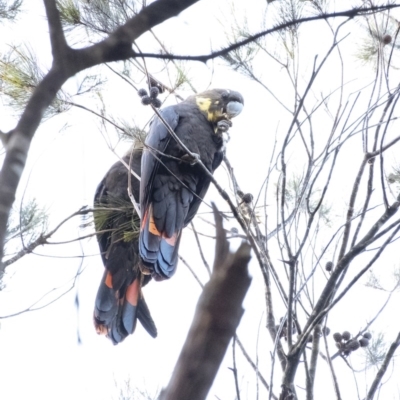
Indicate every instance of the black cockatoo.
{"type": "Point", "coordinates": [119, 302]}
{"type": "Point", "coordinates": [172, 185]}
{"type": "Point", "coordinates": [171, 190]}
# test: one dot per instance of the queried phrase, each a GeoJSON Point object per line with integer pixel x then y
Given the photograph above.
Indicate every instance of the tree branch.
{"type": "Point", "coordinates": [42, 239]}
{"type": "Point", "coordinates": [118, 46]}
{"type": "Point", "coordinates": [217, 316]}
{"type": "Point", "coordinates": [57, 38]}
{"type": "Point", "coordinates": [252, 38]}
{"type": "Point", "coordinates": [383, 368]}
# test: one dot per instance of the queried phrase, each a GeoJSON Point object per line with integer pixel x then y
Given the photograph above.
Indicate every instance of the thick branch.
{"type": "Point", "coordinates": [118, 46]}
{"type": "Point", "coordinates": [313, 363]}
{"type": "Point", "coordinates": [57, 37]}
{"type": "Point", "coordinates": [18, 143]}
{"type": "Point", "coordinates": [217, 316]}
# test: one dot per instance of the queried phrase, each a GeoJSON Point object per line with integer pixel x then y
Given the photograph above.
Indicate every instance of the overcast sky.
{"type": "Point", "coordinates": [40, 357]}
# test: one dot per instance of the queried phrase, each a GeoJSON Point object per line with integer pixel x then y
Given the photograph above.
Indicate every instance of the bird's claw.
{"type": "Point", "coordinates": [144, 269]}
{"type": "Point", "coordinates": [224, 125]}
{"type": "Point", "coordinates": [192, 158]}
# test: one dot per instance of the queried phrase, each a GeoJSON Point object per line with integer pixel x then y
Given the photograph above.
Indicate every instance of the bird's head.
{"type": "Point", "coordinates": [219, 104]}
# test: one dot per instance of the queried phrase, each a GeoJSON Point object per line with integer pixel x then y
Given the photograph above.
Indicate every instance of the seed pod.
{"type": "Point", "coordinates": [353, 345]}
{"type": "Point", "coordinates": [337, 337]}
{"type": "Point", "coordinates": [367, 335]}
{"type": "Point", "coordinates": [339, 345]}
{"type": "Point", "coordinates": [364, 342]}
{"type": "Point", "coordinates": [329, 266]}
{"type": "Point", "coordinates": [386, 39]}
{"type": "Point", "coordinates": [326, 331]}
{"type": "Point", "coordinates": [346, 335]}
{"type": "Point", "coordinates": [156, 102]}
{"type": "Point", "coordinates": [391, 178]}
{"type": "Point", "coordinates": [154, 92]}
{"type": "Point", "coordinates": [146, 100]}
{"type": "Point", "coordinates": [247, 198]}
{"type": "Point", "coordinates": [234, 231]}
{"type": "Point", "coordinates": [142, 92]}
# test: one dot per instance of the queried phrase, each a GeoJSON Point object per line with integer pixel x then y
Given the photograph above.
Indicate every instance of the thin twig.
{"type": "Point", "coordinates": [379, 376]}
{"type": "Point", "coordinates": [43, 238]}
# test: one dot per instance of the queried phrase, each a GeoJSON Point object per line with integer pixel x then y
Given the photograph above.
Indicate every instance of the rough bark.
{"type": "Point", "coordinates": [217, 316]}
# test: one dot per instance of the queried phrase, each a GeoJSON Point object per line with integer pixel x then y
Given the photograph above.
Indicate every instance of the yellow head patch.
{"type": "Point", "coordinates": [212, 111]}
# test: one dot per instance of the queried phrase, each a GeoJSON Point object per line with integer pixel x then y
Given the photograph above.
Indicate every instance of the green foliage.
{"type": "Point", "coordinates": [396, 277]}
{"type": "Point", "coordinates": [69, 12]}
{"type": "Point", "coordinates": [368, 50]}
{"type": "Point", "coordinates": [373, 281]}
{"type": "Point", "coordinates": [181, 75]}
{"type": "Point", "coordinates": [101, 16]}
{"type": "Point", "coordinates": [9, 11]}
{"type": "Point", "coordinates": [290, 10]}
{"type": "Point", "coordinates": [376, 351]}
{"type": "Point", "coordinates": [241, 59]}
{"type": "Point", "coordinates": [132, 133]}
{"type": "Point", "coordinates": [293, 188]}
{"type": "Point", "coordinates": [20, 74]}
{"type": "Point", "coordinates": [27, 223]}
{"type": "Point", "coordinates": [377, 43]}
{"type": "Point", "coordinates": [117, 212]}
{"type": "Point", "coordinates": [393, 180]}
{"type": "Point", "coordinates": [321, 6]}
{"type": "Point", "coordinates": [295, 197]}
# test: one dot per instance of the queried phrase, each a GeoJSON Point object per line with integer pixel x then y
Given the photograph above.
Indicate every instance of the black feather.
{"type": "Point", "coordinates": [172, 188]}
{"type": "Point", "coordinates": [117, 225]}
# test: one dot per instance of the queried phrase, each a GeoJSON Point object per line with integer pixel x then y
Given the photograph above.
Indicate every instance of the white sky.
{"type": "Point", "coordinates": [39, 354]}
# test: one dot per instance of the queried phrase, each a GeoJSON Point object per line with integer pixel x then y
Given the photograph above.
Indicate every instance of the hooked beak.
{"type": "Point", "coordinates": [234, 108]}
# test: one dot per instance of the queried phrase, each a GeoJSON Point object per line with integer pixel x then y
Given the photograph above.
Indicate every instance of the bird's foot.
{"type": "Point", "coordinates": [144, 269]}
{"type": "Point", "coordinates": [192, 158]}
{"type": "Point", "coordinates": [223, 125]}
{"type": "Point", "coordinates": [158, 277]}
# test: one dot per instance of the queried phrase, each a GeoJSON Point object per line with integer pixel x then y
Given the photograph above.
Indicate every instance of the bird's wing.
{"type": "Point", "coordinates": [202, 188]}
{"type": "Point", "coordinates": [159, 246]}
{"type": "Point", "coordinates": [103, 238]}
{"type": "Point", "coordinates": [156, 142]}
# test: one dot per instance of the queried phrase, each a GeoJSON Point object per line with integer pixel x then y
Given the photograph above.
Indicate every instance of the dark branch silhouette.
{"type": "Point", "coordinates": [217, 316]}
{"type": "Point", "coordinates": [359, 11]}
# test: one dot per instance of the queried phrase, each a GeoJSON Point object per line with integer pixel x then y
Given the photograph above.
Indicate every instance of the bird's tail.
{"type": "Point", "coordinates": [116, 311]}
{"type": "Point", "coordinates": [158, 252]}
